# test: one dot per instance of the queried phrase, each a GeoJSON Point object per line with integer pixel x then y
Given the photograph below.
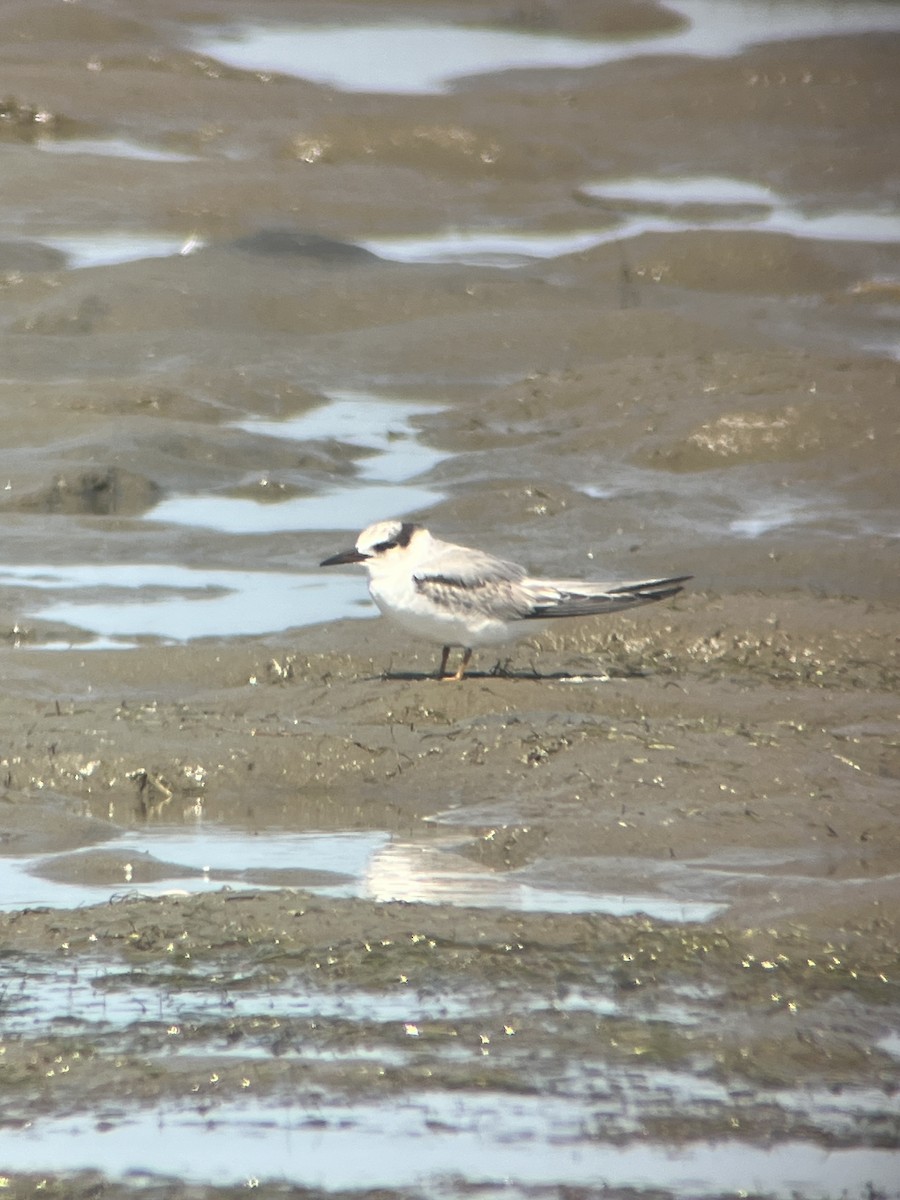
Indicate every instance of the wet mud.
{"type": "Point", "coordinates": [619, 914]}
{"type": "Point", "coordinates": [664, 758]}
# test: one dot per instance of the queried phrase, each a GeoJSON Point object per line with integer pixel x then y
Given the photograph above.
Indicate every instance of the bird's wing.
{"type": "Point", "coordinates": [471, 567]}
{"type": "Point", "coordinates": [574, 598]}
{"type": "Point", "coordinates": [469, 581]}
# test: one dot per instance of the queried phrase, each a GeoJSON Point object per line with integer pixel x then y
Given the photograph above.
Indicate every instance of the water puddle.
{"type": "Point", "coordinates": [381, 426]}
{"type": "Point", "coordinates": [679, 205]}
{"type": "Point", "coordinates": [111, 249]}
{"type": "Point", "coordinates": [702, 203]}
{"type": "Point", "coordinates": [506, 1140]}
{"type": "Point", "coordinates": [685, 189]}
{"type": "Point", "coordinates": [694, 203]}
{"type": "Point", "coordinates": [115, 605]}
{"type": "Point", "coordinates": [431, 58]}
{"type": "Point", "coordinates": [89, 993]}
{"type": "Point", "coordinates": [737, 500]}
{"type": "Point", "coordinates": [883, 349]}
{"type": "Point", "coordinates": [432, 874]}
{"type": "Point", "coordinates": [112, 147]}
{"type": "Point", "coordinates": [345, 508]}
{"type": "Point", "coordinates": [759, 209]}
{"type": "Point", "coordinates": [393, 455]}
{"type": "Point", "coordinates": [503, 248]}
{"type": "Point", "coordinates": [91, 996]}
{"type": "Point", "coordinates": [368, 865]}
{"type": "Point", "coordinates": [714, 32]}
{"type": "Point", "coordinates": [398, 59]}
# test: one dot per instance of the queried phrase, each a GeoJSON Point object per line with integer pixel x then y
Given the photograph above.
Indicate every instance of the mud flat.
{"type": "Point", "coordinates": [731, 769]}
{"type": "Point", "coordinates": [611, 290]}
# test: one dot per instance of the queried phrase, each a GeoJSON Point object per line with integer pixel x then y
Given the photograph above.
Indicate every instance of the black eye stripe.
{"type": "Point", "coordinates": [401, 538]}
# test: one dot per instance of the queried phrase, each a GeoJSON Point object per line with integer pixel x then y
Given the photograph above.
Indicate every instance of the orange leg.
{"type": "Point", "coordinates": [461, 669]}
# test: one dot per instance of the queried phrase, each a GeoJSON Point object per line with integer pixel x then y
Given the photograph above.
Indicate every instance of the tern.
{"type": "Point", "coordinates": [457, 596]}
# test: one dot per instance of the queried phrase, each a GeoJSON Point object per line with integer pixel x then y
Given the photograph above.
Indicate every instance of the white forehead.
{"type": "Point", "coordinates": [374, 535]}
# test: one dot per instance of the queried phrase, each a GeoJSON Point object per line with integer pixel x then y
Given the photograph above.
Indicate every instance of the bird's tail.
{"type": "Point", "coordinates": [577, 599]}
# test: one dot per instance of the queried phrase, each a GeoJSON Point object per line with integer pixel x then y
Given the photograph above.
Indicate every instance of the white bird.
{"type": "Point", "coordinates": [456, 596]}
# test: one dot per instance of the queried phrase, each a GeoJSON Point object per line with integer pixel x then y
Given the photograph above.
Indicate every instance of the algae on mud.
{"type": "Point", "coordinates": [763, 1024]}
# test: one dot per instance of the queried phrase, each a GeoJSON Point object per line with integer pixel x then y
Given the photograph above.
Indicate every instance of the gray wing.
{"type": "Point", "coordinates": [571, 598]}
{"type": "Point", "coordinates": [469, 567]}
{"type": "Point", "coordinates": [469, 581]}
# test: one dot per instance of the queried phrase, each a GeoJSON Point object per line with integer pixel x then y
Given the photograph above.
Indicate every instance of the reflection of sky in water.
{"type": "Point", "coordinates": [416, 873]}
{"type": "Point", "coordinates": [345, 509]}
{"type": "Point", "coordinates": [108, 249]}
{"type": "Point", "coordinates": [488, 247]}
{"type": "Point", "coordinates": [179, 603]}
{"type": "Point", "coordinates": [112, 148]}
{"type": "Point", "coordinates": [378, 490]}
{"type": "Point", "coordinates": [718, 30]}
{"type": "Point", "coordinates": [508, 247]}
{"type": "Point", "coordinates": [367, 864]}
{"type": "Point", "coordinates": [98, 995]}
{"type": "Point", "coordinates": [360, 419]}
{"type": "Point", "coordinates": [686, 189]}
{"type": "Point", "coordinates": [398, 58]}
{"type": "Point", "coordinates": [736, 500]}
{"type": "Point", "coordinates": [849, 225]}
{"type": "Point", "coordinates": [390, 58]}
{"type": "Point", "coordinates": [488, 1136]}
{"type": "Point", "coordinates": [733, 206]}
{"type": "Point", "coordinates": [221, 855]}
{"type": "Point", "coordinates": [196, 602]}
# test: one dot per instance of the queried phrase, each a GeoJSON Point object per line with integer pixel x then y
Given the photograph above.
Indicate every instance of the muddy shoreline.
{"type": "Point", "coordinates": [691, 751]}
{"type": "Point", "coordinates": [621, 907]}
{"type": "Point", "coordinates": [767, 710]}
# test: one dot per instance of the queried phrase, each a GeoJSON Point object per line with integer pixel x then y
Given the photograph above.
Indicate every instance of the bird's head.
{"type": "Point", "coordinates": [377, 543]}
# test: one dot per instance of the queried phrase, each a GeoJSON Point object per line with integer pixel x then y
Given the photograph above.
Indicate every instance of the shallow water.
{"type": "Point", "coordinates": [84, 250]}
{"type": "Point", "coordinates": [95, 997]}
{"type": "Point", "coordinates": [768, 213]}
{"type": "Point", "coordinates": [518, 1143]}
{"type": "Point", "coordinates": [391, 58]}
{"type": "Point", "coordinates": [608, 295]}
{"type": "Point", "coordinates": [113, 605]}
{"type": "Point", "coordinates": [177, 603]}
{"type": "Point", "coordinates": [495, 248]}
{"type": "Point", "coordinates": [112, 147]}
{"type": "Point", "coordinates": [174, 603]}
{"type": "Point", "coordinates": [422, 58]}
{"type": "Point", "coordinates": [370, 865]}
{"type": "Point", "coordinates": [393, 454]}
{"type": "Point", "coordinates": [382, 427]}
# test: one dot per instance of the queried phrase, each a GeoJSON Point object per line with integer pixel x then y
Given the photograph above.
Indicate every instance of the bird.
{"type": "Point", "coordinates": [456, 596]}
